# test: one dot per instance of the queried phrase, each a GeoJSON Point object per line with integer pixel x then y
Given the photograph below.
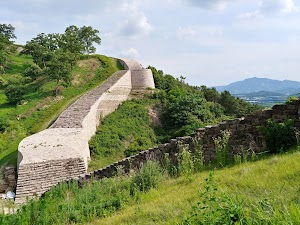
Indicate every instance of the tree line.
{"type": "Point", "coordinates": [54, 55]}
{"type": "Point", "coordinates": [186, 108]}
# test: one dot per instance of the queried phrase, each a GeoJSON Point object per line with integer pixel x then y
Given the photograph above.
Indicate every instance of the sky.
{"type": "Point", "coordinates": [210, 42]}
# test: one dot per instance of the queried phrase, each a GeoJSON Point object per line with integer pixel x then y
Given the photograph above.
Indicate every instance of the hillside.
{"type": "Point", "coordinates": [259, 192]}
{"type": "Point", "coordinates": [262, 192]}
{"type": "Point", "coordinates": [39, 106]}
{"type": "Point", "coordinates": [255, 84]}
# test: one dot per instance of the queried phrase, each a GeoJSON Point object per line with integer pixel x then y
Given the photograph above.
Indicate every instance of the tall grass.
{"type": "Point", "coordinates": [262, 192]}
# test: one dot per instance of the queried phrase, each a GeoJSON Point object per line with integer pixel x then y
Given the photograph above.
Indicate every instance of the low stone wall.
{"type": "Point", "coordinates": [61, 152]}
{"type": "Point", "coordinates": [245, 135]}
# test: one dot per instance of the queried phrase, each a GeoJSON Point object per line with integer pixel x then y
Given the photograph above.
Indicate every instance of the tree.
{"type": "Point", "coordinates": [42, 48]}
{"type": "Point", "coordinates": [59, 69]}
{"type": "Point", "coordinates": [15, 92]}
{"type": "Point", "coordinates": [89, 36]}
{"type": "Point", "coordinates": [6, 34]}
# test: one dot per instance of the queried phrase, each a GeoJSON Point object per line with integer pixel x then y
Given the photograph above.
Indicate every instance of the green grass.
{"type": "Point", "coordinates": [41, 107]}
{"type": "Point", "coordinates": [268, 189]}
{"type": "Point", "coordinates": [126, 131]}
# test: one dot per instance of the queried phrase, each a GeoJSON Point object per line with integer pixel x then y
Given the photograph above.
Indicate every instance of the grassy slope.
{"type": "Point", "coordinates": [41, 108]}
{"type": "Point", "coordinates": [129, 127]}
{"type": "Point", "coordinates": [274, 180]}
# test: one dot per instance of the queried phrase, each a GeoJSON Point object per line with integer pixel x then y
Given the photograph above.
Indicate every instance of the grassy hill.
{"type": "Point", "coordinates": [261, 192]}
{"type": "Point", "coordinates": [264, 192]}
{"type": "Point", "coordinates": [40, 107]}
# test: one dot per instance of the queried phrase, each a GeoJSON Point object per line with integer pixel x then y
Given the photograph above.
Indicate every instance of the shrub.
{"type": "Point", "coordinates": [34, 71]}
{"type": "Point", "coordinates": [15, 93]}
{"type": "Point", "coordinates": [148, 177]}
{"type": "Point", "coordinates": [221, 144]}
{"type": "Point", "coordinates": [215, 207]}
{"type": "Point", "coordinates": [186, 164]}
{"type": "Point", "coordinates": [297, 134]}
{"type": "Point", "coordinates": [278, 135]}
{"type": "Point", "coordinates": [3, 124]}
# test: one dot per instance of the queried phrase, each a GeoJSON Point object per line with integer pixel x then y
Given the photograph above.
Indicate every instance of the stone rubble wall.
{"type": "Point", "coordinates": [8, 179]}
{"type": "Point", "coordinates": [61, 152]}
{"type": "Point", "coordinates": [245, 135]}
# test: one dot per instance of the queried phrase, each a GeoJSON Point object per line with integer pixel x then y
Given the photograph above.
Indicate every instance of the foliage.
{"type": "Point", "coordinates": [149, 176]}
{"type": "Point", "coordinates": [3, 124]}
{"type": "Point", "coordinates": [6, 34]}
{"type": "Point", "coordinates": [185, 164]}
{"type": "Point", "coordinates": [187, 107]}
{"type": "Point", "coordinates": [297, 134]}
{"type": "Point", "coordinates": [88, 36]}
{"type": "Point", "coordinates": [34, 72]}
{"type": "Point", "coordinates": [15, 92]}
{"type": "Point", "coordinates": [122, 133]}
{"type": "Point", "coordinates": [198, 157]}
{"type": "Point", "coordinates": [262, 191]}
{"type": "Point", "coordinates": [214, 207]}
{"type": "Point", "coordinates": [278, 135]}
{"type": "Point", "coordinates": [221, 144]}
{"type": "Point", "coordinates": [57, 54]}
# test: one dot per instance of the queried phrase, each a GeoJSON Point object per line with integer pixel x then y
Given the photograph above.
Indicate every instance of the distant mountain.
{"type": "Point", "coordinates": [255, 84]}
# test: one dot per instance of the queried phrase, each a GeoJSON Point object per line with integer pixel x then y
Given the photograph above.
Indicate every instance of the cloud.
{"type": "Point", "coordinates": [271, 7]}
{"type": "Point", "coordinates": [135, 26]}
{"type": "Point", "coordinates": [199, 33]}
{"type": "Point", "coordinates": [286, 6]}
{"type": "Point", "coordinates": [131, 53]}
{"type": "Point", "coordinates": [209, 4]}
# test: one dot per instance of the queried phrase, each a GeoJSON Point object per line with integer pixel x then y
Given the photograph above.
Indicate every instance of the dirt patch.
{"type": "Point", "coordinates": [155, 115]}
{"type": "Point", "coordinates": [89, 65]}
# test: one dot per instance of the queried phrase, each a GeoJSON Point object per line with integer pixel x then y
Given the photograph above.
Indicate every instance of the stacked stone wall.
{"type": "Point", "coordinates": [245, 135]}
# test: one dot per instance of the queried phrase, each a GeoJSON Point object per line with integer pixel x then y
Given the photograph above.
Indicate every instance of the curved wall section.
{"type": "Point", "coordinates": [142, 79]}
{"type": "Point", "coordinates": [61, 152]}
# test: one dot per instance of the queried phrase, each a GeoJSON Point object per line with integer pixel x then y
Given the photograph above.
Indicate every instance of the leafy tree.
{"type": "Point", "coordinates": [6, 34]}
{"type": "Point", "coordinates": [34, 71]}
{"type": "Point", "coordinates": [42, 48]}
{"type": "Point", "coordinates": [59, 69]}
{"type": "Point", "coordinates": [89, 36]}
{"type": "Point", "coordinates": [15, 92]}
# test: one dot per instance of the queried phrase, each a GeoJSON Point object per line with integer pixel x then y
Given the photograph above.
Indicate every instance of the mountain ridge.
{"type": "Point", "coordinates": [256, 84]}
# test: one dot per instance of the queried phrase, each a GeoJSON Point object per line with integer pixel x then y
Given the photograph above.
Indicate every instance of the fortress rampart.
{"type": "Point", "coordinates": [61, 152]}
{"type": "Point", "coordinates": [245, 136]}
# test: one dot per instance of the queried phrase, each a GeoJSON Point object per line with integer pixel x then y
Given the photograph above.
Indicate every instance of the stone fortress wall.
{"type": "Point", "coordinates": [61, 152]}
{"type": "Point", "coordinates": [245, 135]}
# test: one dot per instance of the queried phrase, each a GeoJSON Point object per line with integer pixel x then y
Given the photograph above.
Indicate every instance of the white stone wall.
{"type": "Point", "coordinates": [62, 152]}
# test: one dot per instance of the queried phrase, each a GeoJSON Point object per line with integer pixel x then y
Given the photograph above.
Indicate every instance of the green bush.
{"type": "Point", "coordinates": [148, 177]}
{"type": "Point", "coordinates": [34, 71]}
{"type": "Point", "coordinates": [3, 124]}
{"type": "Point", "coordinates": [278, 135]}
{"type": "Point", "coordinates": [215, 207]}
{"type": "Point", "coordinates": [15, 92]}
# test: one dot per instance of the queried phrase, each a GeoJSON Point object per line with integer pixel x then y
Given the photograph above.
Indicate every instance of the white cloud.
{"type": "Point", "coordinates": [135, 26]}
{"type": "Point", "coordinates": [286, 6]}
{"type": "Point", "coordinates": [203, 34]}
{"type": "Point", "coordinates": [130, 53]}
{"type": "Point", "coordinates": [209, 4]}
{"type": "Point", "coordinates": [271, 7]}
